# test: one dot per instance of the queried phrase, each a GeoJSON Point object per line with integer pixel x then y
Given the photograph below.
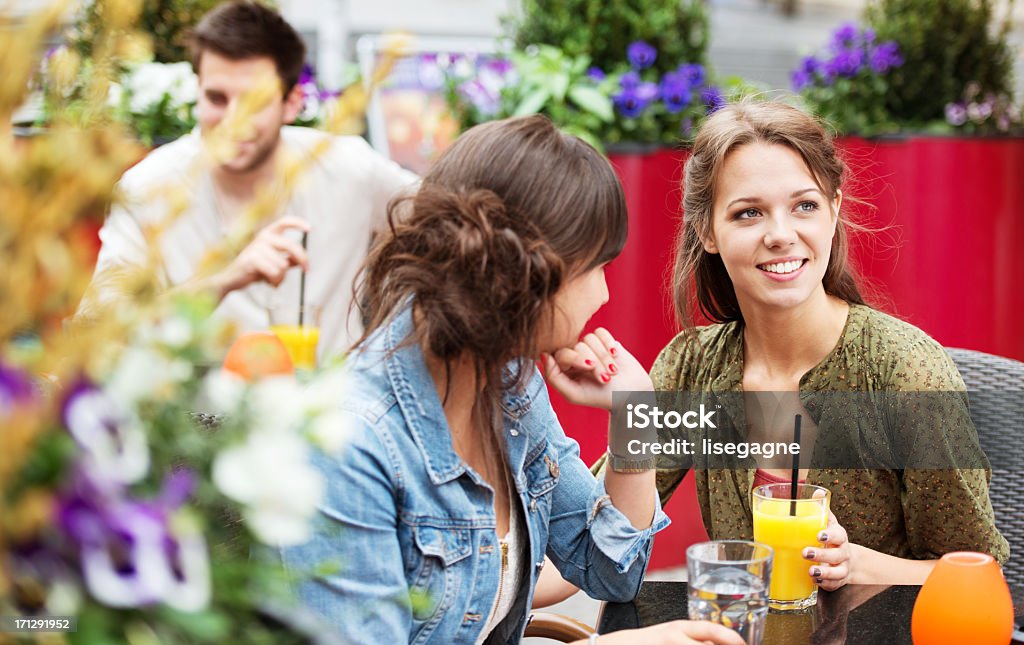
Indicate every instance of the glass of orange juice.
{"type": "Point", "coordinates": [790, 525]}
{"type": "Point", "coordinates": [299, 330]}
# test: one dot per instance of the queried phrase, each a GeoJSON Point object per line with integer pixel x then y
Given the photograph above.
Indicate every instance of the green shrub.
{"type": "Point", "coordinates": [602, 30]}
{"type": "Point", "coordinates": [166, 22]}
{"type": "Point", "coordinates": [945, 45]}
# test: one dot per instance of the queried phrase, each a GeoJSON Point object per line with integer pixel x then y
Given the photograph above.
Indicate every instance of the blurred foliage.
{"type": "Point", "coordinates": [165, 23]}
{"type": "Point", "coordinates": [602, 30]}
{"type": "Point", "coordinates": [945, 46]}
{"type": "Point", "coordinates": [132, 368]}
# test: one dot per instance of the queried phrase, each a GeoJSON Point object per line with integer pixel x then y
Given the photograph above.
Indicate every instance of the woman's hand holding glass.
{"type": "Point", "coordinates": [588, 373]}
{"type": "Point", "coordinates": [834, 564]}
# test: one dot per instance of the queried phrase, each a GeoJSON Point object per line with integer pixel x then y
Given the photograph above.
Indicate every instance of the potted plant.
{"type": "Point", "coordinates": [119, 506]}
{"type": "Point", "coordinates": [922, 95]}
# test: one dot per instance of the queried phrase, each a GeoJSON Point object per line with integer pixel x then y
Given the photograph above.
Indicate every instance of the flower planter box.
{"type": "Point", "coordinates": [946, 261]}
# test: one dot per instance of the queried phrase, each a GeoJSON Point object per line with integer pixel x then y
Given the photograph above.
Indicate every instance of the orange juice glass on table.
{"type": "Point", "coordinates": [789, 526]}
{"type": "Point", "coordinates": [300, 338]}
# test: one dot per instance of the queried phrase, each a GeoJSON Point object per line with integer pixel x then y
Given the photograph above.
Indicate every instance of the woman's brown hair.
{"type": "Point", "coordinates": [736, 125]}
{"type": "Point", "coordinates": [509, 213]}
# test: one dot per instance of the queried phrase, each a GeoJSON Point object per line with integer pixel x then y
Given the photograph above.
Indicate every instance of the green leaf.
{"type": "Point", "coordinates": [579, 65]}
{"type": "Point", "coordinates": [532, 103]}
{"type": "Point", "coordinates": [557, 84]}
{"type": "Point", "coordinates": [592, 101]}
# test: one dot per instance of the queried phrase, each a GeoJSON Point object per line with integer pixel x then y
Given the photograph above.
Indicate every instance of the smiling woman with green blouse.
{"type": "Point", "coordinates": [764, 249]}
{"type": "Point", "coordinates": [763, 254]}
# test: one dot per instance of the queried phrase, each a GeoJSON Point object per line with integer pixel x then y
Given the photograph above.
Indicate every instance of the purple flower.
{"type": "Point", "coordinates": [799, 79]}
{"type": "Point", "coordinates": [178, 487]}
{"type": "Point", "coordinates": [429, 73]}
{"type": "Point", "coordinates": [869, 36]}
{"type": "Point", "coordinates": [130, 554]}
{"type": "Point", "coordinates": [595, 74]}
{"type": "Point", "coordinates": [885, 56]}
{"type": "Point", "coordinates": [956, 114]}
{"type": "Point", "coordinates": [629, 81]}
{"type": "Point", "coordinates": [810, 65]}
{"type": "Point", "coordinates": [500, 66]}
{"type": "Point", "coordinates": [647, 91]}
{"type": "Point", "coordinates": [483, 98]}
{"type": "Point", "coordinates": [692, 72]}
{"type": "Point", "coordinates": [15, 390]}
{"type": "Point", "coordinates": [844, 35]}
{"type": "Point", "coordinates": [675, 92]}
{"type": "Point", "coordinates": [308, 75]}
{"type": "Point", "coordinates": [713, 98]}
{"type": "Point", "coordinates": [641, 55]}
{"type": "Point", "coordinates": [803, 75]}
{"type": "Point", "coordinates": [846, 62]}
{"type": "Point", "coordinates": [631, 102]}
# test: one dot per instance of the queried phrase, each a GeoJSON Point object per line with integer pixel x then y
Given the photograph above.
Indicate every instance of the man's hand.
{"type": "Point", "coordinates": [266, 259]}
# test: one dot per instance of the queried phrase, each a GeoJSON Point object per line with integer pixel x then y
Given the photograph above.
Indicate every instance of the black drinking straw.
{"type": "Point", "coordinates": [795, 479]}
{"type": "Point", "coordinates": [302, 284]}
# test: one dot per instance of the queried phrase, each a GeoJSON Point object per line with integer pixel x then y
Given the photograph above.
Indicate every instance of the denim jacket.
{"type": "Point", "coordinates": [411, 528]}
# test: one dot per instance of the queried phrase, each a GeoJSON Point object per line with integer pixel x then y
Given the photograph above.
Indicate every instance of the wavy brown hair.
{"type": "Point", "coordinates": [699, 278]}
{"type": "Point", "coordinates": [509, 213]}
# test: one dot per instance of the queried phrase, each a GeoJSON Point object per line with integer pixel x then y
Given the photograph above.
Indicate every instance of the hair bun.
{"type": "Point", "coordinates": [482, 275]}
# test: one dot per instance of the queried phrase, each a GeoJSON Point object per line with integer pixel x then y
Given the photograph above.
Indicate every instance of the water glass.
{"type": "Point", "coordinates": [728, 585]}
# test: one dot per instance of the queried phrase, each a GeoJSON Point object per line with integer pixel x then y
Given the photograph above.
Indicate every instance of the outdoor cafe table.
{"type": "Point", "coordinates": [854, 614]}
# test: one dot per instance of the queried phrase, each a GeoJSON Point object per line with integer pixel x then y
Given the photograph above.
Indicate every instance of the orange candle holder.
{"type": "Point", "coordinates": [964, 600]}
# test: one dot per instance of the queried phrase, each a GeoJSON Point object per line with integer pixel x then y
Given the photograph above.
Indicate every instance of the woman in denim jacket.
{"type": "Point", "coordinates": [458, 478]}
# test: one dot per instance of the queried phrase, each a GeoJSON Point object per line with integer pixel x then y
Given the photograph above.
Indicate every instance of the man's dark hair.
{"type": "Point", "coordinates": [243, 29]}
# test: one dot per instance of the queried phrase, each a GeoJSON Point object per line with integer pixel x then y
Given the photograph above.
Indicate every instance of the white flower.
{"type": "Point", "coordinates": [324, 392]}
{"type": "Point", "coordinates": [144, 373]}
{"type": "Point", "coordinates": [330, 430]}
{"type": "Point", "coordinates": [147, 84]}
{"type": "Point", "coordinates": [175, 332]}
{"type": "Point", "coordinates": [222, 392]}
{"type": "Point", "coordinates": [114, 95]}
{"type": "Point", "coordinates": [277, 405]}
{"type": "Point", "coordinates": [114, 445]}
{"type": "Point", "coordinates": [271, 475]}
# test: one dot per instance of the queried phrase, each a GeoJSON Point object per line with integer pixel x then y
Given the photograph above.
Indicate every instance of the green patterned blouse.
{"type": "Point", "coordinates": [909, 513]}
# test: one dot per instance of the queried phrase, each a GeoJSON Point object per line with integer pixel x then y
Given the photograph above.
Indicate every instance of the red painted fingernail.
{"type": "Point", "coordinates": [614, 352]}
{"type": "Point", "coordinates": [612, 368]}
{"type": "Point", "coordinates": [588, 363]}
{"type": "Point", "coordinates": [605, 378]}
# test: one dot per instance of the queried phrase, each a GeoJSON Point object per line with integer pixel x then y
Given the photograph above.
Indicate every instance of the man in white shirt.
{"type": "Point", "coordinates": [339, 200]}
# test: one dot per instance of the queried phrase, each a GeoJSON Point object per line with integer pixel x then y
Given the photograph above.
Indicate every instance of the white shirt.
{"type": "Point", "coordinates": [343, 195]}
{"type": "Point", "coordinates": [515, 544]}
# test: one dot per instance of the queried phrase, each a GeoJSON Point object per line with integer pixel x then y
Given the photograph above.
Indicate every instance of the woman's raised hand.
{"type": "Point", "coordinates": [588, 373]}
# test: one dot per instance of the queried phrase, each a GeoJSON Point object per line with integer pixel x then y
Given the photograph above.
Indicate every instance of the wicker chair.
{"type": "Point", "coordinates": [995, 387]}
{"type": "Point", "coordinates": [556, 627]}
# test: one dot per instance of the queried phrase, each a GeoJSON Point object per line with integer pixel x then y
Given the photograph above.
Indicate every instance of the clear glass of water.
{"type": "Point", "coordinates": [728, 584]}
